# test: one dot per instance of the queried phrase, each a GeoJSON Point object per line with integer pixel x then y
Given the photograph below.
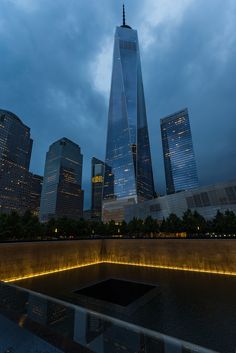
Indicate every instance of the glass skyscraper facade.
{"type": "Point", "coordinates": [97, 177]}
{"type": "Point", "coordinates": [128, 165]}
{"type": "Point", "coordinates": [62, 195]}
{"type": "Point", "coordinates": [179, 158]}
{"type": "Point", "coordinates": [15, 153]}
{"type": "Point", "coordinates": [35, 183]}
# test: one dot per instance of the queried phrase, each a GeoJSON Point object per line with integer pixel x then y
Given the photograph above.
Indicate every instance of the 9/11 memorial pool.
{"type": "Point", "coordinates": [194, 307]}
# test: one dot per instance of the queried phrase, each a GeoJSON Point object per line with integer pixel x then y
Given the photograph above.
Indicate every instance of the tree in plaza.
{"type": "Point", "coordinates": [230, 220]}
{"type": "Point", "coordinates": [150, 225]}
{"type": "Point", "coordinates": [66, 227]}
{"type": "Point", "coordinates": [163, 227]}
{"type": "Point", "coordinates": [173, 224]}
{"type": "Point", "coordinates": [135, 227]}
{"type": "Point", "coordinates": [84, 228]}
{"type": "Point", "coordinates": [112, 228]}
{"type": "Point", "coordinates": [193, 222]}
{"type": "Point", "coordinates": [98, 228]}
{"type": "Point", "coordinates": [30, 226]}
{"type": "Point", "coordinates": [209, 228]}
{"type": "Point", "coordinates": [4, 233]}
{"type": "Point", "coordinates": [224, 222]}
{"type": "Point", "coordinates": [124, 228]}
{"type": "Point", "coordinates": [189, 222]}
{"type": "Point", "coordinates": [51, 228]}
{"type": "Point", "coordinates": [13, 226]}
{"type": "Point", "coordinates": [200, 222]}
{"type": "Point", "coordinates": [16, 227]}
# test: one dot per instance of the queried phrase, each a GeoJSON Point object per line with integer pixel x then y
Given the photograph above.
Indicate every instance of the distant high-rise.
{"type": "Point", "coordinates": [97, 187]}
{"type": "Point", "coordinates": [35, 188]}
{"type": "Point", "coordinates": [128, 165]}
{"type": "Point", "coordinates": [15, 153]}
{"type": "Point", "coordinates": [61, 192]}
{"type": "Point", "coordinates": [179, 159]}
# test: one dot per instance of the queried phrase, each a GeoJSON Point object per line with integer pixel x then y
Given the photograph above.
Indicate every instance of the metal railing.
{"type": "Point", "coordinates": [71, 328]}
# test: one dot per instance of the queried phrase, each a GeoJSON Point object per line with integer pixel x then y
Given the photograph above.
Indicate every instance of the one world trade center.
{"type": "Point", "coordinates": [128, 174]}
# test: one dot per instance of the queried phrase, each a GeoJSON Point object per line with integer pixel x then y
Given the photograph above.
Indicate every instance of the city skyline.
{"type": "Point", "coordinates": [202, 78]}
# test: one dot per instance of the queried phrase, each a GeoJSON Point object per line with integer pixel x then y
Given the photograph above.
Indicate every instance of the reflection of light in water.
{"type": "Point", "coordinates": [21, 321]}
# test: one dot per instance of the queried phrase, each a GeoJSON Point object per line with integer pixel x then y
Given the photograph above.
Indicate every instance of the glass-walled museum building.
{"type": "Point", "coordinates": [206, 200]}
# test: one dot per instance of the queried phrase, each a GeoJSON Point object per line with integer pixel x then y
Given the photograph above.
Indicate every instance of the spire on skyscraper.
{"type": "Point", "coordinates": [124, 15]}
{"type": "Point", "coordinates": [124, 24]}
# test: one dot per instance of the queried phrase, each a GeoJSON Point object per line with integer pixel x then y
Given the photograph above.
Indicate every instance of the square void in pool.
{"type": "Point", "coordinates": [116, 291]}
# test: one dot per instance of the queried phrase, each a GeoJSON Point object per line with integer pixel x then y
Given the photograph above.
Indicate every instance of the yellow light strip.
{"type": "Point", "coordinates": [178, 268]}
{"type": "Point", "coordinates": [13, 279]}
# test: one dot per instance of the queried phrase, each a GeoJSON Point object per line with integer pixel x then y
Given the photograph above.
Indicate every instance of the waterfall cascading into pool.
{"type": "Point", "coordinates": [21, 260]}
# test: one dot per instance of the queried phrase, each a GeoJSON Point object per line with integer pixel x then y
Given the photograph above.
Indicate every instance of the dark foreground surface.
{"type": "Point", "coordinates": [196, 307]}
{"type": "Point", "coordinates": [116, 291]}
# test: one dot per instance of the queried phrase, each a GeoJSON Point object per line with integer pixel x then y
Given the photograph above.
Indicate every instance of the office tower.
{"type": "Point", "coordinates": [97, 188]}
{"type": "Point", "coordinates": [87, 215]}
{"type": "Point", "coordinates": [15, 153]}
{"type": "Point", "coordinates": [179, 159]}
{"type": "Point", "coordinates": [128, 167]}
{"type": "Point", "coordinates": [35, 187]}
{"type": "Point", "coordinates": [62, 195]}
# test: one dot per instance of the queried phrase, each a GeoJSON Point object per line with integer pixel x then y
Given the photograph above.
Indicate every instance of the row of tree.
{"type": "Point", "coordinates": [28, 227]}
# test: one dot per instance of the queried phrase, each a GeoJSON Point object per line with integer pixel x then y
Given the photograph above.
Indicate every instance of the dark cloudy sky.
{"type": "Point", "coordinates": [55, 70]}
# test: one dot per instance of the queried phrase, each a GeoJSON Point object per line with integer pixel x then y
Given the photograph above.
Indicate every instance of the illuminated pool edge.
{"type": "Point", "coordinates": [176, 268]}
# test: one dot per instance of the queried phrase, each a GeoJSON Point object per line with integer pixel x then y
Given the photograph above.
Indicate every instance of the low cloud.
{"type": "Point", "coordinates": [101, 67]}
{"type": "Point", "coordinates": [56, 59]}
